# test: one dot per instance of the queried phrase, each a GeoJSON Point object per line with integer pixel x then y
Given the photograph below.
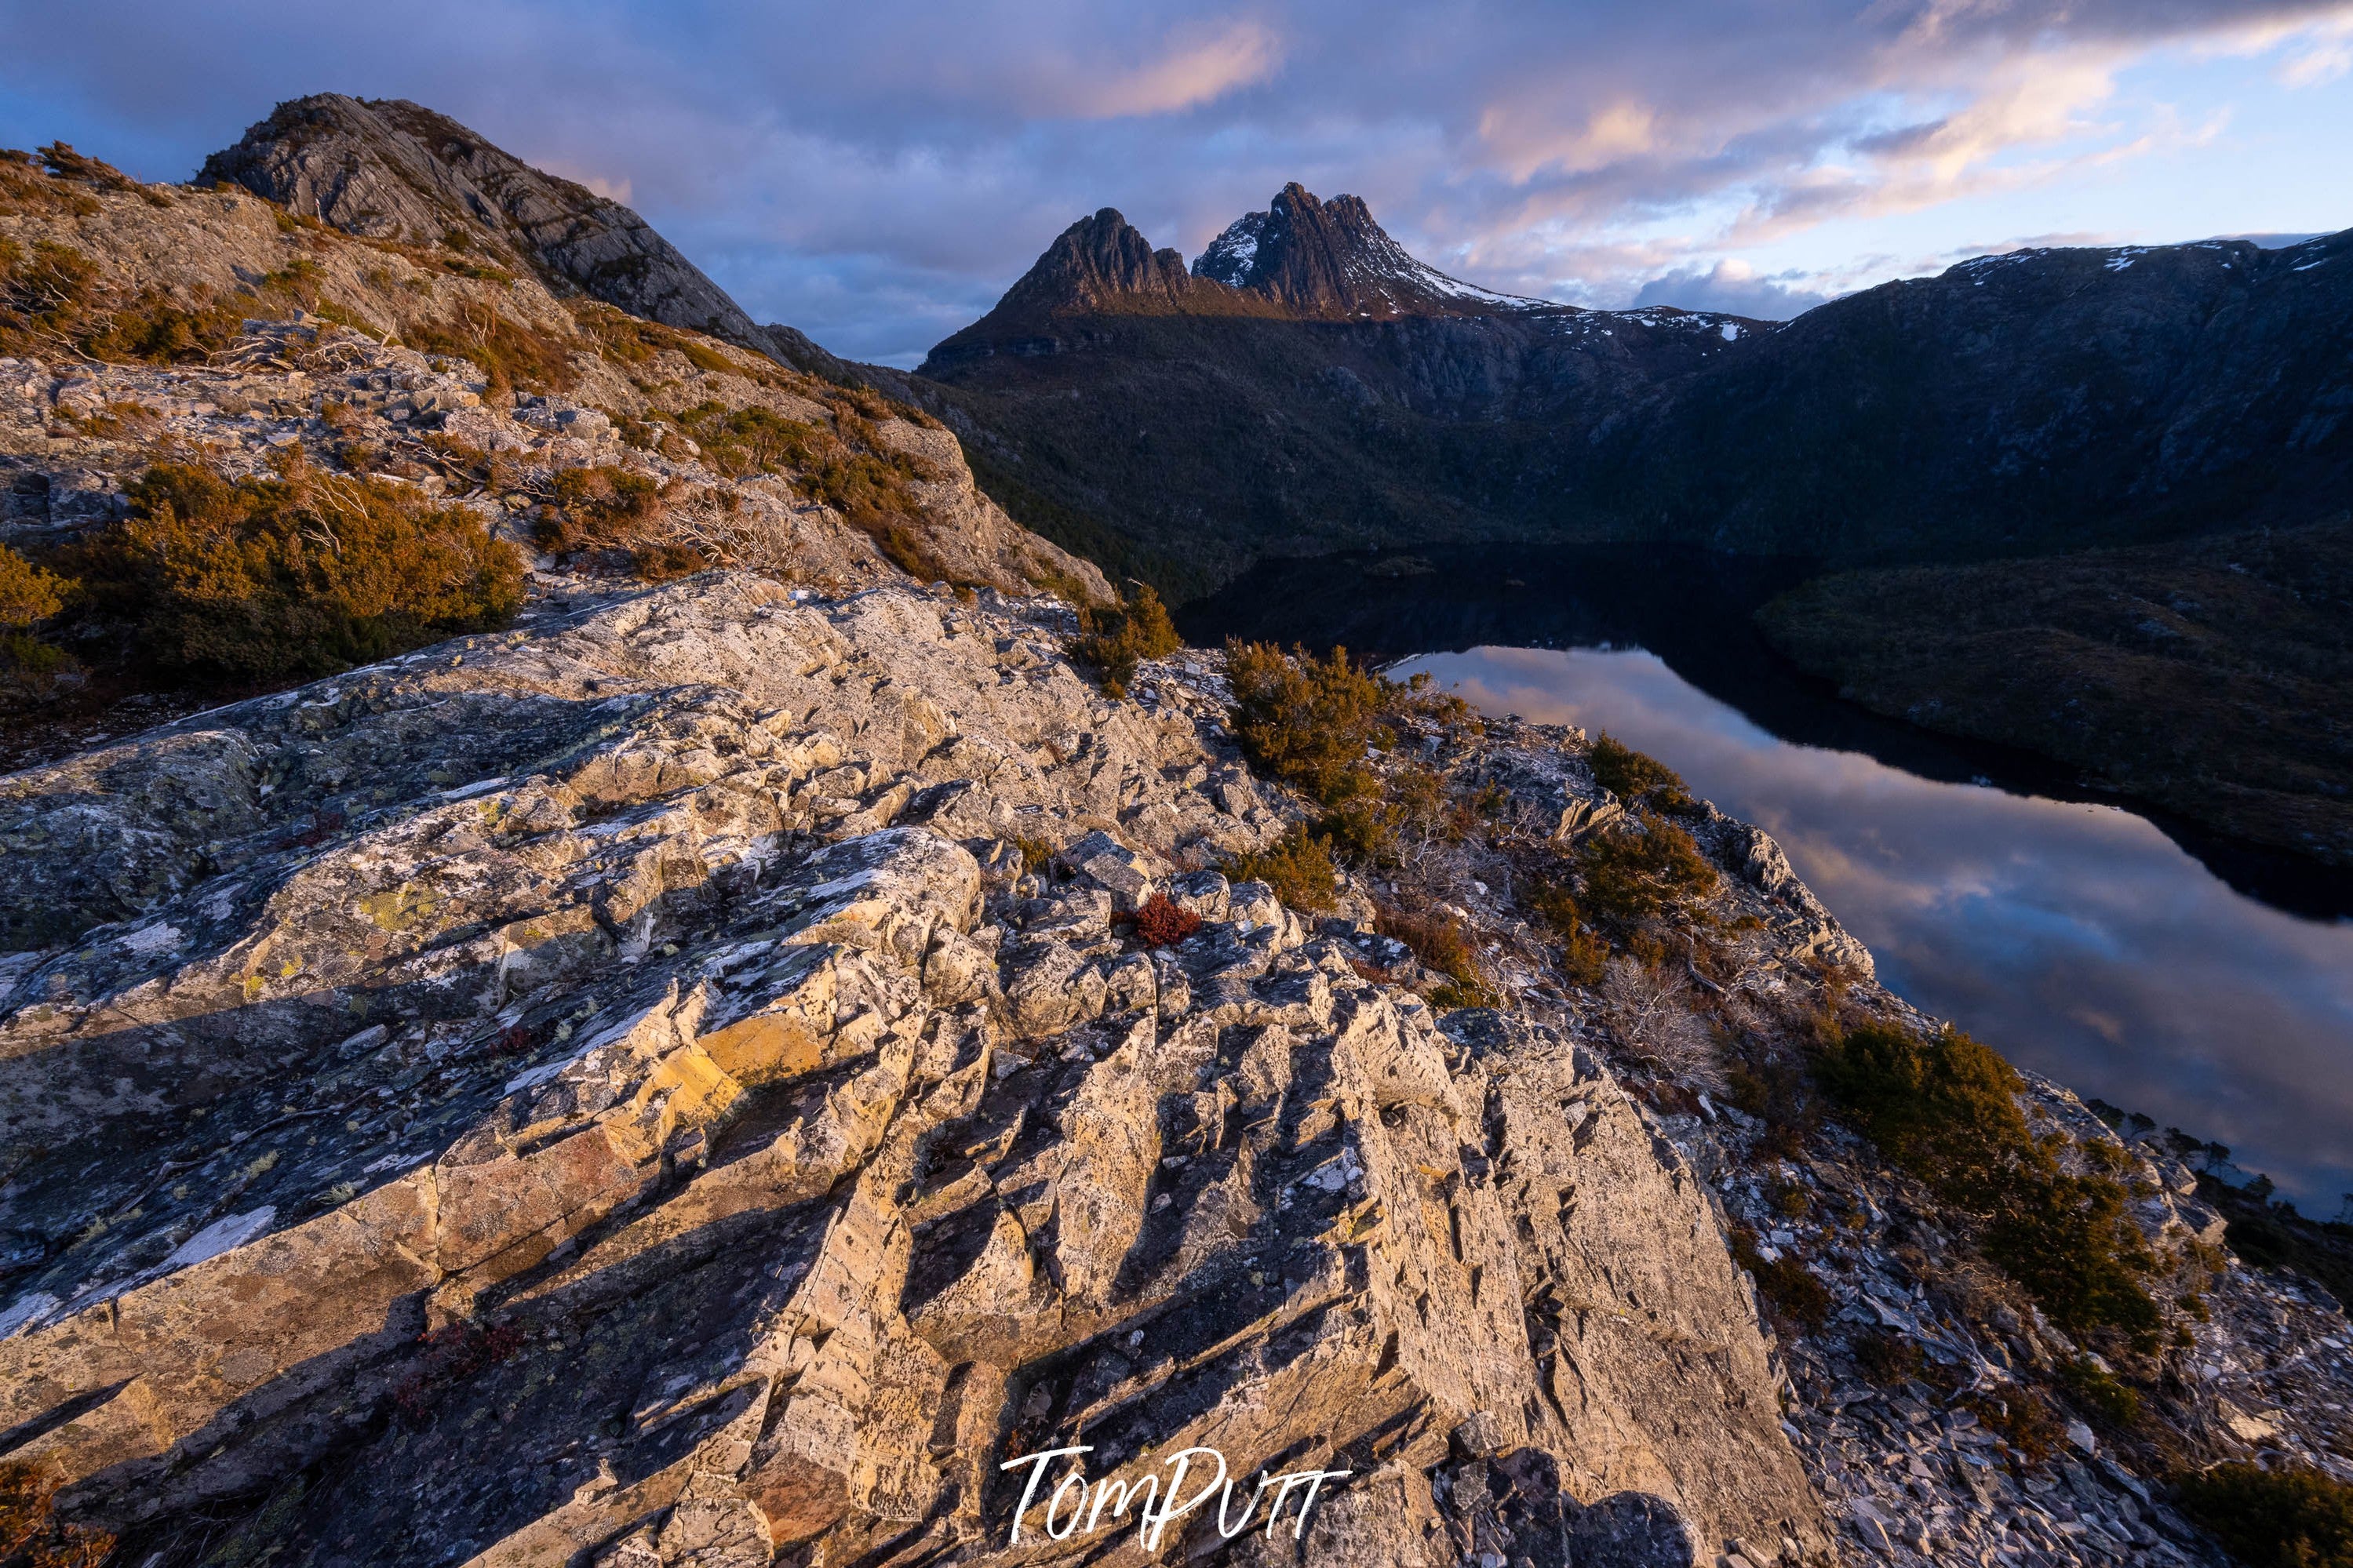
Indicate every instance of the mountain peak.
{"type": "Point", "coordinates": [1334, 259]}
{"type": "Point", "coordinates": [1100, 262]}
{"type": "Point", "coordinates": [390, 169]}
{"type": "Point", "coordinates": [1300, 259]}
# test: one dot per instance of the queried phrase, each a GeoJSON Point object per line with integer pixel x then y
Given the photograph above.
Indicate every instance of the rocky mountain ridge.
{"type": "Point", "coordinates": [2037, 401]}
{"type": "Point", "coordinates": [715, 989]}
{"type": "Point", "coordinates": [389, 169]}
{"type": "Point", "coordinates": [211, 326]}
{"type": "Point", "coordinates": [1334, 260]}
{"type": "Point", "coordinates": [1299, 260]}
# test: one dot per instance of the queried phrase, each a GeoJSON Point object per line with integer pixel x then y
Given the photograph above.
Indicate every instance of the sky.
{"type": "Point", "coordinates": [877, 174]}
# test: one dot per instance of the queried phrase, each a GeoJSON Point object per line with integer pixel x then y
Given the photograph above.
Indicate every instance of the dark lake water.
{"type": "Point", "coordinates": [2204, 984]}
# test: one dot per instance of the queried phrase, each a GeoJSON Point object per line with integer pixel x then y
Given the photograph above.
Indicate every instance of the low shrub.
{"type": "Point", "coordinates": [31, 1533]}
{"type": "Point", "coordinates": [2291, 1518]}
{"type": "Point", "coordinates": [1036, 854]}
{"type": "Point", "coordinates": [297, 574]}
{"type": "Point", "coordinates": [849, 469]}
{"type": "Point", "coordinates": [1788, 1286]}
{"type": "Point", "coordinates": [2110, 1400]}
{"type": "Point", "coordinates": [599, 507]}
{"type": "Point", "coordinates": [28, 593]}
{"type": "Point", "coordinates": [1308, 721]}
{"type": "Point", "coordinates": [1641, 870]}
{"type": "Point", "coordinates": [1160, 923]}
{"type": "Point", "coordinates": [1887, 1359]}
{"type": "Point", "coordinates": [1635, 776]}
{"type": "Point", "coordinates": [1298, 867]}
{"type": "Point", "coordinates": [1115, 638]}
{"type": "Point", "coordinates": [1584, 957]}
{"type": "Point", "coordinates": [1447, 944]}
{"type": "Point", "coordinates": [511, 355]}
{"type": "Point", "coordinates": [1945, 1108]}
{"type": "Point", "coordinates": [2019, 1418]}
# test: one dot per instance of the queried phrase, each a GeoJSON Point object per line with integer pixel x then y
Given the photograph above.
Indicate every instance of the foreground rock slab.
{"type": "Point", "coordinates": [625, 1091]}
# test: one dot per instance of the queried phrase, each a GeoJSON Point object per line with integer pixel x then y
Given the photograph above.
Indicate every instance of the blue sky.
{"type": "Point", "coordinates": [876, 174]}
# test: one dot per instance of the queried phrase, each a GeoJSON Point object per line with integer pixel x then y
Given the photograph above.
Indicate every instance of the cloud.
{"type": "Point", "coordinates": [881, 166]}
{"type": "Point", "coordinates": [1189, 73]}
{"type": "Point", "coordinates": [1735, 287]}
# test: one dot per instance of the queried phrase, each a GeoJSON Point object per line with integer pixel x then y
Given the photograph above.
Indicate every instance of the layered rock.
{"type": "Point", "coordinates": [617, 1089]}
{"type": "Point", "coordinates": [394, 170]}
{"type": "Point", "coordinates": [1334, 260]}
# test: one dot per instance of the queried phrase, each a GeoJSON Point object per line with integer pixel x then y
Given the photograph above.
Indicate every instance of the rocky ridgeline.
{"type": "Point", "coordinates": [145, 324]}
{"type": "Point", "coordinates": [680, 1081]}
{"type": "Point", "coordinates": [72, 436]}
{"type": "Point", "coordinates": [618, 1088]}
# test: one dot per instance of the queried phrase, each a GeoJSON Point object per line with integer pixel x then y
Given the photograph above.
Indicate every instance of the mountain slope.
{"type": "Point", "coordinates": [2015, 405]}
{"type": "Point", "coordinates": [393, 170]}
{"type": "Point", "coordinates": [1335, 261]}
{"type": "Point", "coordinates": [1325, 390]}
{"type": "Point", "coordinates": [1306, 385]}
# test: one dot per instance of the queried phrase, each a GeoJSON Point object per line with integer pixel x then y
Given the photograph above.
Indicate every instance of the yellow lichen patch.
{"type": "Point", "coordinates": [764, 1046]}
{"type": "Point", "coordinates": [403, 908]}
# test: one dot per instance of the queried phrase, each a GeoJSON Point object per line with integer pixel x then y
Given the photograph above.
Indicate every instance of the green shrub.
{"type": "Point", "coordinates": [28, 594]}
{"type": "Point", "coordinates": [1945, 1108]}
{"type": "Point", "coordinates": [2113, 1402]}
{"type": "Point", "coordinates": [511, 355]}
{"type": "Point", "coordinates": [1584, 957]}
{"type": "Point", "coordinates": [1887, 1359]}
{"type": "Point", "coordinates": [705, 357]}
{"type": "Point", "coordinates": [849, 469]}
{"type": "Point", "coordinates": [1308, 721]}
{"type": "Point", "coordinates": [1626, 773]}
{"type": "Point", "coordinates": [1298, 867]}
{"type": "Point", "coordinates": [1643, 868]}
{"type": "Point", "coordinates": [1786, 1285]}
{"type": "Point", "coordinates": [2018, 1415]}
{"type": "Point", "coordinates": [1115, 638]}
{"type": "Point", "coordinates": [1036, 853]}
{"type": "Point", "coordinates": [602, 507]}
{"type": "Point", "coordinates": [2295, 1517]}
{"type": "Point", "coordinates": [30, 1531]}
{"type": "Point", "coordinates": [298, 574]}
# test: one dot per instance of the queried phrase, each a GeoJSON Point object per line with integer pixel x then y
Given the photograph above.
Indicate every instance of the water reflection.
{"type": "Point", "coordinates": [2076, 938]}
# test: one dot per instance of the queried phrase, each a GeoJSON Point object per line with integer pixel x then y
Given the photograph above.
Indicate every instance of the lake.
{"type": "Point", "coordinates": [2201, 982]}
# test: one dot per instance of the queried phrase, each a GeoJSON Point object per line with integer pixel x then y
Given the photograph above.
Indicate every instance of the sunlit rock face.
{"type": "Point", "coordinates": [616, 1092]}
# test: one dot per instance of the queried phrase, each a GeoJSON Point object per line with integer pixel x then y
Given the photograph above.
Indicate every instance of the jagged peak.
{"type": "Point", "coordinates": [391, 169]}
{"type": "Point", "coordinates": [1333, 258]}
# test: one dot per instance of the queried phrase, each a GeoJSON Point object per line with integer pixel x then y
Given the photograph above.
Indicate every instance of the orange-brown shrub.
{"type": "Point", "coordinates": [296, 574]}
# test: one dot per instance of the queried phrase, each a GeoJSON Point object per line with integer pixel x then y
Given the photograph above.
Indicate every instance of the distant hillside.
{"type": "Point", "coordinates": [1308, 385]}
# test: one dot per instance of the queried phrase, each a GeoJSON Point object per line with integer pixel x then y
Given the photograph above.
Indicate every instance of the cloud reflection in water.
{"type": "Point", "coordinates": [2077, 938]}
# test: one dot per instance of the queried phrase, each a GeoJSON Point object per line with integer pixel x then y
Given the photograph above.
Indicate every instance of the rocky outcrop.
{"type": "Point", "coordinates": [617, 1091]}
{"type": "Point", "coordinates": [507, 378]}
{"type": "Point", "coordinates": [1334, 260]}
{"type": "Point", "coordinates": [394, 170]}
